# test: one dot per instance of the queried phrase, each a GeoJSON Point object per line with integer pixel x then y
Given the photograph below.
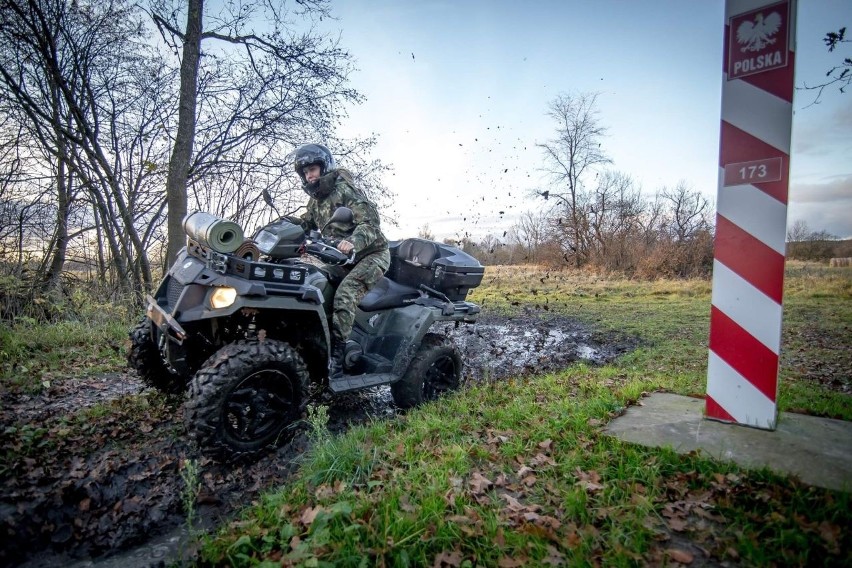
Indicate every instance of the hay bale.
{"type": "Point", "coordinates": [847, 261]}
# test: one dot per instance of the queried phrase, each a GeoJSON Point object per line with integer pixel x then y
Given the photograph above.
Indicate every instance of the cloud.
{"type": "Point", "coordinates": [833, 218]}
{"type": "Point", "coordinates": [824, 134]}
{"type": "Point", "coordinates": [837, 188]}
{"type": "Point", "coordinates": [824, 205]}
{"type": "Point", "coordinates": [843, 116]}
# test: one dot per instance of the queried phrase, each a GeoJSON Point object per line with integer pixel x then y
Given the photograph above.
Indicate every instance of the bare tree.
{"type": "Point", "coordinates": [688, 211]}
{"type": "Point", "coordinates": [806, 244]}
{"type": "Point", "coordinates": [840, 75]}
{"type": "Point", "coordinates": [798, 232]}
{"type": "Point", "coordinates": [653, 219]}
{"type": "Point", "coordinates": [615, 211]}
{"type": "Point", "coordinates": [94, 107]}
{"type": "Point", "coordinates": [571, 157]}
{"type": "Point", "coordinates": [182, 149]}
{"type": "Point", "coordinates": [26, 212]}
{"type": "Point", "coordinates": [530, 233]}
{"type": "Point", "coordinates": [248, 98]}
{"type": "Point", "coordinates": [426, 233]}
{"type": "Point", "coordinates": [70, 72]}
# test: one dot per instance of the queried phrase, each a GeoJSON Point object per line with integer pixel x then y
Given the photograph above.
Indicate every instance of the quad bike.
{"type": "Point", "coordinates": [242, 326]}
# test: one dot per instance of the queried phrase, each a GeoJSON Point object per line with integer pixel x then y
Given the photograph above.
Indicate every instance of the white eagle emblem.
{"type": "Point", "coordinates": [759, 34]}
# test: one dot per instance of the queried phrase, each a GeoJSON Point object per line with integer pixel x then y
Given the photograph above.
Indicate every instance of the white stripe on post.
{"type": "Point", "coordinates": [734, 393]}
{"type": "Point", "coordinates": [760, 114]}
{"type": "Point", "coordinates": [756, 313]}
{"type": "Point", "coordinates": [738, 203]}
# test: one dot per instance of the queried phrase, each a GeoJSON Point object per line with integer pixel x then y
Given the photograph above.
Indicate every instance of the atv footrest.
{"type": "Point", "coordinates": [348, 383]}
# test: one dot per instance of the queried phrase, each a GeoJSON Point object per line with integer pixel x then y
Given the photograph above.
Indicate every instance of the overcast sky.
{"type": "Point", "coordinates": [458, 92]}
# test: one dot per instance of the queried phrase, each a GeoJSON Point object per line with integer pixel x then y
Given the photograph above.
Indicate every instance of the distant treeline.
{"type": "Point", "coordinates": [663, 256]}
{"type": "Point", "coordinates": [820, 250]}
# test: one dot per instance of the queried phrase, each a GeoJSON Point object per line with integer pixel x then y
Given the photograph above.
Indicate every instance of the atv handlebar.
{"type": "Point", "coordinates": [323, 250]}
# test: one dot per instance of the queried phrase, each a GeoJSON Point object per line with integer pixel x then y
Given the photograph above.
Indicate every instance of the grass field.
{"type": "Point", "coordinates": [519, 473]}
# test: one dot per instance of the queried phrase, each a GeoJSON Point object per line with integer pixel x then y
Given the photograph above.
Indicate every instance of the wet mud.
{"type": "Point", "coordinates": [112, 495]}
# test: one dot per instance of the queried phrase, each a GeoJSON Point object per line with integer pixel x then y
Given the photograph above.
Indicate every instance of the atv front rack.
{"type": "Point", "coordinates": [246, 268]}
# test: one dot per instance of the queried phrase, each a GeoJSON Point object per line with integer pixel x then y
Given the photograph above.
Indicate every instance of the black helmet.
{"type": "Point", "coordinates": [308, 154]}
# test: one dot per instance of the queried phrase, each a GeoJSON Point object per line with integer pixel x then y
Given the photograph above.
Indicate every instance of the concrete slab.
{"type": "Point", "coordinates": [817, 450]}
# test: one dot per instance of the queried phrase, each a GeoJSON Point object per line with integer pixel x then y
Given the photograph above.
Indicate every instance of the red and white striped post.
{"type": "Point", "coordinates": [751, 222]}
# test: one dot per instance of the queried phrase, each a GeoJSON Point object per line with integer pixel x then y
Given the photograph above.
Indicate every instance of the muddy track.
{"type": "Point", "coordinates": [112, 495]}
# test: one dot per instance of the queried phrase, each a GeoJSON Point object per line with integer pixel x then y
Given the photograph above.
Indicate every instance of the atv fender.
{"type": "Point", "coordinates": [411, 324]}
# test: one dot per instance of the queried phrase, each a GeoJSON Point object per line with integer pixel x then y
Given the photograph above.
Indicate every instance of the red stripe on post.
{"type": "Point", "coordinates": [748, 356]}
{"type": "Point", "coordinates": [737, 146]}
{"type": "Point", "coordinates": [778, 82]}
{"type": "Point", "coordinates": [715, 410]}
{"type": "Point", "coordinates": [758, 264]}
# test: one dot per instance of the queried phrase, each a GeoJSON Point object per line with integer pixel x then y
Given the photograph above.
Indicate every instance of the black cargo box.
{"type": "Point", "coordinates": [442, 267]}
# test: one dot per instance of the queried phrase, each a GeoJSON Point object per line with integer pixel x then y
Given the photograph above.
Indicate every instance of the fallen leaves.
{"type": "Point", "coordinates": [678, 555]}
{"type": "Point", "coordinates": [589, 480]}
{"type": "Point", "coordinates": [309, 515]}
{"type": "Point", "coordinates": [517, 480]}
{"type": "Point", "coordinates": [690, 520]}
{"type": "Point", "coordinates": [554, 557]}
{"type": "Point", "coordinates": [451, 559]}
{"type": "Point", "coordinates": [542, 459]}
{"type": "Point", "coordinates": [91, 482]}
{"type": "Point", "coordinates": [830, 533]}
{"type": "Point", "coordinates": [479, 483]}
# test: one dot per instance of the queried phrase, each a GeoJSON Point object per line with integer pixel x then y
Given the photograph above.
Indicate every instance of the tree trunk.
{"type": "Point", "coordinates": [575, 221]}
{"type": "Point", "coordinates": [182, 151]}
{"type": "Point", "coordinates": [103, 274]}
{"type": "Point", "coordinates": [60, 238]}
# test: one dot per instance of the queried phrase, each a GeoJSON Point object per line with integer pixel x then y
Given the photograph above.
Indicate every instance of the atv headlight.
{"type": "Point", "coordinates": [266, 241]}
{"type": "Point", "coordinates": [222, 297]}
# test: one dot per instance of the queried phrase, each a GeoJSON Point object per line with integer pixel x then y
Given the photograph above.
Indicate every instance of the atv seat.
{"type": "Point", "coordinates": [418, 252]}
{"type": "Point", "coordinates": [387, 294]}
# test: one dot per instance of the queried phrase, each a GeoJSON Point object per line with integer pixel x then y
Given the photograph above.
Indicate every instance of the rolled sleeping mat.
{"type": "Point", "coordinates": [248, 250]}
{"type": "Point", "coordinates": [212, 232]}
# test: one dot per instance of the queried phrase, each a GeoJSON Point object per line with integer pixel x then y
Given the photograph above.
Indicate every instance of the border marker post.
{"type": "Point", "coordinates": [751, 222]}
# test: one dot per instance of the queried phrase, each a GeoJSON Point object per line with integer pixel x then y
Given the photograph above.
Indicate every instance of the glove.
{"type": "Point", "coordinates": [292, 219]}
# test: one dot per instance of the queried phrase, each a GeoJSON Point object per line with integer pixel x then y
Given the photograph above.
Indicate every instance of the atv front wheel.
{"type": "Point", "coordinates": [144, 356]}
{"type": "Point", "coordinates": [434, 371]}
{"type": "Point", "coordinates": [246, 398]}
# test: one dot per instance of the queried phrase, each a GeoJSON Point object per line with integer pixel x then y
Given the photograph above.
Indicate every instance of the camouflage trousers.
{"type": "Point", "coordinates": [352, 289]}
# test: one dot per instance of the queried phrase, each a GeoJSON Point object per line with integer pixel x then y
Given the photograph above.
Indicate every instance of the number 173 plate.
{"type": "Point", "coordinates": [756, 171]}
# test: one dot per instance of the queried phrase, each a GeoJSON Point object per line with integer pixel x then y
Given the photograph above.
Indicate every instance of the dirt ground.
{"type": "Point", "coordinates": [109, 493]}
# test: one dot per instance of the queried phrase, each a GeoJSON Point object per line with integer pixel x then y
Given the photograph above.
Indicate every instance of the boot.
{"type": "Point", "coordinates": [335, 364]}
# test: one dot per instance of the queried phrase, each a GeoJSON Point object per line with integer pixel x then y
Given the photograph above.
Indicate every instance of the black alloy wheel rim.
{"type": "Point", "coordinates": [440, 378]}
{"type": "Point", "coordinates": [259, 406]}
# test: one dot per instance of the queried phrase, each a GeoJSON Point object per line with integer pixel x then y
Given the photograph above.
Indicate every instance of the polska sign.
{"type": "Point", "coordinates": [759, 40]}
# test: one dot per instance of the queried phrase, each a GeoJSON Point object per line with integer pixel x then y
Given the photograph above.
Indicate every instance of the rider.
{"type": "Point", "coordinates": [330, 188]}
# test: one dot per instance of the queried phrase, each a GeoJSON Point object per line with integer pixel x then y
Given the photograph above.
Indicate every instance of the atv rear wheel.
{"type": "Point", "coordinates": [144, 356]}
{"type": "Point", "coordinates": [246, 398]}
{"type": "Point", "coordinates": [434, 371]}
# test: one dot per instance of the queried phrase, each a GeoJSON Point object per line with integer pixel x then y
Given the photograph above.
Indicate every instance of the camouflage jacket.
{"type": "Point", "coordinates": [339, 190]}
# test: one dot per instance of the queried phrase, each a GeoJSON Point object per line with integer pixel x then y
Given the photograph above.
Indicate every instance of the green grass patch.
{"type": "Point", "coordinates": [519, 472]}
{"type": "Point", "coordinates": [35, 355]}
{"type": "Point", "coordinates": [524, 473]}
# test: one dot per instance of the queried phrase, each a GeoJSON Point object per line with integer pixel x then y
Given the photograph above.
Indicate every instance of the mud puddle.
{"type": "Point", "coordinates": [112, 497]}
{"type": "Point", "coordinates": [495, 348]}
